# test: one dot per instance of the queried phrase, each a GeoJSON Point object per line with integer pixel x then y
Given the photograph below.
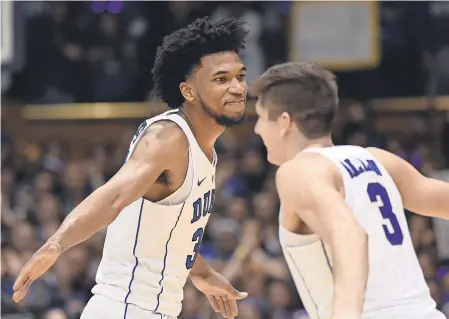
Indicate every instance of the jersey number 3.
{"type": "Point", "coordinates": [197, 238]}
{"type": "Point", "coordinates": [378, 194]}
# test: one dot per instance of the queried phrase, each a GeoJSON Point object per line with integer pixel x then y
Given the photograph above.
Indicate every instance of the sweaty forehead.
{"type": "Point", "coordinates": [220, 62]}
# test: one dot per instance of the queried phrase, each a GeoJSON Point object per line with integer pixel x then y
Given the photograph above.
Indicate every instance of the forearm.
{"type": "Point", "coordinates": [431, 199]}
{"type": "Point", "coordinates": [94, 213]}
{"type": "Point", "coordinates": [350, 270]}
{"type": "Point", "coordinates": [200, 268]}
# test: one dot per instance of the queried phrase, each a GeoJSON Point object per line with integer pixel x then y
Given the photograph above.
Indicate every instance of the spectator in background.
{"type": "Point", "coordinates": [109, 65]}
{"type": "Point", "coordinates": [54, 49]}
{"type": "Point", "coordinates": [252, 56]}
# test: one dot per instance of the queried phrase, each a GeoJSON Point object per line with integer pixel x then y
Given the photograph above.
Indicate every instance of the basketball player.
{"type": "Point", "coordinates": [342, 223]}
{"type": "Point", "coordinates": [156, 207]}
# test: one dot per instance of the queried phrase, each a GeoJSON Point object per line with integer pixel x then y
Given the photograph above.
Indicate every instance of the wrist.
{"type": "Point", "coordinates": [200, 268]}
{"type": "Point", "coordinates": [202, 274]}
{"type": "Point", "coordinates": [53, 245]}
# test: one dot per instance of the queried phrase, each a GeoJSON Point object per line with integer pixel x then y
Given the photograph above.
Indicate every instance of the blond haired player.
{"type": "Point", "coordinates": [342, 224]}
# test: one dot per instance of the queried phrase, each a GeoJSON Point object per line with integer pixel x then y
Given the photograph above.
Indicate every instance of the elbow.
{"type": "Point", "coordinates": [112, 214]}
{"type": "Point", "coordinates": [358, 239]}
{"type": "Point", "coordinates": [113, 203]}
{"type": "Point", "coordinates": [349, 235]}
{"type": "Point", "coordinates": [358, 235]}
{"type": "Point", "coordinates": [117, 205]}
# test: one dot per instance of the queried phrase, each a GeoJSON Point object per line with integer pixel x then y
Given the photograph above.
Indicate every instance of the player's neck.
{"type": "Point", "coordinates": [205, 129]}
{"type": "Point", "coordinates": [302, 144]}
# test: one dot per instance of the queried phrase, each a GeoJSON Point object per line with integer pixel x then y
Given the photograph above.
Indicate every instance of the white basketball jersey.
{"type": "Point", "coordinates": [396, 288]}
{"type": "Point", "coordinates": [151, 247]}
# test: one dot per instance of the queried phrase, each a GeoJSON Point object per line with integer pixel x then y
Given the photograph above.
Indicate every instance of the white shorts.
{"type": "Point", "coordinates": [100, 307]}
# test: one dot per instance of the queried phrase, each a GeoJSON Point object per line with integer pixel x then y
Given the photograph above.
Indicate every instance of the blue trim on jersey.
{"type": "Point", "coordinates": [165, 260]}
{"type": "Point", "coordinates": [327, 257]}
{"type": "Point", "coordinates": [304, 282]}
{"type": "Point", "coordinates": [137, 261]}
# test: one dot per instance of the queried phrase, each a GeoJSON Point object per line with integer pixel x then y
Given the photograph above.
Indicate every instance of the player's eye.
{"type": "Point", "coordinates": [241, 77]}
{"type": "Point", "coordinates": [220, 80]}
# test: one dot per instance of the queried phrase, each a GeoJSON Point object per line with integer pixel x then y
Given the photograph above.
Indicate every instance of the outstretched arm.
{"type": "Point", "coordinates": [135, 178]}
{"type": "Point", "coordinates": [149, 159]}
{"type": "Point", "coordinates": [420, 194]}
{"type": "Point", "coordinates": [309, 186]}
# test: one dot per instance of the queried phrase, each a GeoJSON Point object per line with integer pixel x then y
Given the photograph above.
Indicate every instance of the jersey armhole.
{"type": "Point", "coordinates": [190, 171]}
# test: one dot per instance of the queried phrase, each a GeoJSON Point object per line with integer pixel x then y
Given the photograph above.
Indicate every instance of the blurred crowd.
{"type": "Point", "coordinates": [108, 47]}
{"type": "Point", "coordinates": [41, 184]}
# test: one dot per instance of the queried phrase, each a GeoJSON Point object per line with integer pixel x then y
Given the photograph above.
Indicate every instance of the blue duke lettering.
{"type": "Point", "coordinates": [201, 207]}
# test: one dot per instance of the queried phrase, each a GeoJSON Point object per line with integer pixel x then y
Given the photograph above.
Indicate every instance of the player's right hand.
{"type": "Point", "coordinates": [41, 261]}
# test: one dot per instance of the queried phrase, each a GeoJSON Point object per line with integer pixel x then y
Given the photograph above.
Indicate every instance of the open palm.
{"type": "Point", "coordinates": [41, 261]}
{"type": "Point", "coordinates": [221, 294]}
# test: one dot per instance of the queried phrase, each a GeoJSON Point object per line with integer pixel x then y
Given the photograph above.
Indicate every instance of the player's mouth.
{"type": "Point", "coordinates": [236, 103]}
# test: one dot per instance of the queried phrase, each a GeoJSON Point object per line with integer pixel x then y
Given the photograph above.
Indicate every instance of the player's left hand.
{"type": "Point", "coordinates": [41, 261]}
{"type": "Point", "coordinates": [221, 294]}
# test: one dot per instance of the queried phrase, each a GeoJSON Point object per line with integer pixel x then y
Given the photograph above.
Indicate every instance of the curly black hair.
{"type": "Point", "coordinates": [181, 52]}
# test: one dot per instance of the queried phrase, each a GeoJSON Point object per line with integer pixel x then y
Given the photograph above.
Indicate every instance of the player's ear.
{"type": "Point", "coordinates": [187, 91]}
{"type": "Point", "coordinates": [284, 120]}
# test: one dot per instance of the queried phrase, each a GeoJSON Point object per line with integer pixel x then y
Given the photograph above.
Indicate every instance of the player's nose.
{"type": "Point", "coordinates": [237, 87]}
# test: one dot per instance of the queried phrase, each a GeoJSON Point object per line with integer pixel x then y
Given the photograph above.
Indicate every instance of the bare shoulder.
{"type": "Point", "coordinates": [163, 140]}
{"type": "Point", "coordinates": [381, 155]}
{"type": "Point", "coordinates": [401, 171]}
{"type": "Point", "coordinates": [392, 163]}
{"type": "Point", "coordinates": [307, 183]}
{"type": "Point", "coordinates": [306, 167]}
{"type": "Point", "coordinates": [167, 132]}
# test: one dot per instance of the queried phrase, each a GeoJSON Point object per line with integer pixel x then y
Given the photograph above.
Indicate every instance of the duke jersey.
{"type": "Point", "coordinates": [396, 288]}
{"type": "Point", "coordinates": [151, 247]}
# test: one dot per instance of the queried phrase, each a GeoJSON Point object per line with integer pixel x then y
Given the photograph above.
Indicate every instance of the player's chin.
{"type": "Point", "coordinates": [230, 120]}
{"type": "Point", "coordinates": [236, 117]}
{"type": "Point", "coordinates": [234, 112]}
{"type": "Point", "coordinates": [272, 159]}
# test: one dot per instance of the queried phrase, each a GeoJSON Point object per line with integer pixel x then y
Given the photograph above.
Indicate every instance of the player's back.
{"type": "Point", "coordinates": [396, 287]}
{"type": "Point", "coordinates": [151, 247]}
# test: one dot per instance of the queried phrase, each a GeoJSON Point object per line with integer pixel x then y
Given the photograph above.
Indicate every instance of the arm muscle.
{"type": "Point", "coordinates": [422, 195]}
{"type": "Point", "coordinates": [149, 159]}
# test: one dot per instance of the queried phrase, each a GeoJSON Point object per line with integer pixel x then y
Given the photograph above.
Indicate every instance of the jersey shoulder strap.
{"type": "Point", "coordinates": [171, 115]}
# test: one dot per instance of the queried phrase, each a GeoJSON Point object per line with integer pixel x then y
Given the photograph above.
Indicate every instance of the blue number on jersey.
{"type": "Point", "coordinates": [201, 207]}
{"type": "Point", "coordinates": [198, 238]}
{"type": "Point", "coordinates": [377, 190]}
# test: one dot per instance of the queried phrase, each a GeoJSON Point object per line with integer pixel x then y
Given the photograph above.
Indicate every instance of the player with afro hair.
{"type": "Point", "coordinates": [169, 171]}
{"type": "Point", "coordinates": [181, 54]}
